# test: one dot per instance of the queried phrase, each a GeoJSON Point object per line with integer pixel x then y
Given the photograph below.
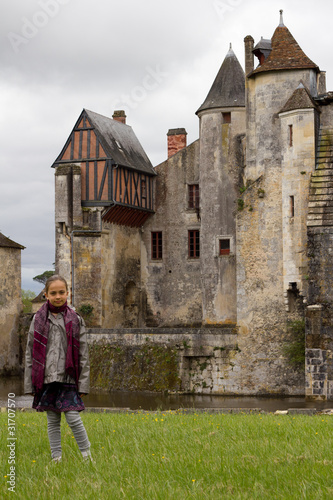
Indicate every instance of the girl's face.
{"type": "Point", "coordinates": [57, 293]}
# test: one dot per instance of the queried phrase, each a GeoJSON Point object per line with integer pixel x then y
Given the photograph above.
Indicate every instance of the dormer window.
{"type": "Point", "coordinates": [262, 50]}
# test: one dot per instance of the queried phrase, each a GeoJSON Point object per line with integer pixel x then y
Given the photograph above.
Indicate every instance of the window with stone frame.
{"type": "Point", "coordinates": [193, 196]}
{"type": "Point", "coordinates": [292, 206]}
{"type": "Point", "coordinates": [194, 244]}
{"type": "Point", "coordinates": [224, 246]}
{"type": "Point", "coordinates": [290, 135]}
{"type": "Point", "coordinates": [156, 245]}
{"type": "Point", "coordinates": [226, 117]}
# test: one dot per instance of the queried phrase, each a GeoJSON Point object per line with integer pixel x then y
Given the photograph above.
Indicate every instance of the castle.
{"type": "Point", "coordinates": [233, 231]}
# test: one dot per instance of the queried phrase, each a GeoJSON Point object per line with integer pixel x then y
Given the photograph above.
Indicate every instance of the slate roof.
{"type": "Point", "coordinates": [228, 89]}
{"type": "Point", "coordinates": [264, 47]}
{"type": "Point", "coordinates": [300, 99]}
{"type": "Point", "coordinates": [263, 44]}
{"type": "Point", "coordinates": [6, 242]}
{"type": "Point", "coordinates": [40, 297]}
{"type": "Point", "coordinates": [285, 54]}
{"type": "Point", "coordinates": [118, 141]}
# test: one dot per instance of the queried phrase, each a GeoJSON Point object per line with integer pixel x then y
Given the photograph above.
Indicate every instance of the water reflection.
{"type": "Point", "coordinates": [152, 401]}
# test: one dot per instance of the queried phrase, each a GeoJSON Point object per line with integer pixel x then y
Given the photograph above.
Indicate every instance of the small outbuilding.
{"type": "Point", "coordinates": [10, 304]}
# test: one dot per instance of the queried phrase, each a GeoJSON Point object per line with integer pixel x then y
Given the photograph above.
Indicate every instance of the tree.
{"type": "Point", "coordinates": [27, 297]}
{"type": "Point", "coordinates": [42, 278]}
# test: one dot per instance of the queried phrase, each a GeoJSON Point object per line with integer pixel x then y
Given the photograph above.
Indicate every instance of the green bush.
{"type": "Point", "coordinates": [27, 297]}
{"type": "Point", "coordinates": [295, 349]}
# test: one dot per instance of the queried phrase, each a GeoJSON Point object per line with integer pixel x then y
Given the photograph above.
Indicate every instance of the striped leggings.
{"type": "Point", "coordinates": [74, 421]}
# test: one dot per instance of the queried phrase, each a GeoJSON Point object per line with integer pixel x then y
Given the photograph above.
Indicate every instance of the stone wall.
{"type": "Point", "coordinates": [319, 337]}
{"type": "Point", "coordinates": [10, 309]}
{"type": "Point", "coordinates": [87, 272]}
{"type": "Point", "coordinates": [318, 355]}
{"type": "Point", "coordinates": [122, 298]}
{"type": "Point", "coordinates": [203, 361]}
{"type": "Point", "coordinates": [261, 313]}
{"type": "Point", "coordinates": [298, 163]}
{"type": "Point", "coordinates": [173, 359]}
{"type": "Point", "coordinates": [269, 91]}
{"type": "Point", "coordinates": [220, 175]}
{"type": "Point", "coordinates": [173, 284]}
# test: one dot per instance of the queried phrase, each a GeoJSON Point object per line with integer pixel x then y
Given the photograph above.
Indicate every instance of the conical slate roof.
{"type": "Point", "coordinates": [300, 99]}
{"type": "Point", "coordinates": [285, 54]}
{"type": "Point", "coordinates": [228, 89]}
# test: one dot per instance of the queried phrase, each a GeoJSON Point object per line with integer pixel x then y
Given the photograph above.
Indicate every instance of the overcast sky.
{"type": "Point", "coordinates": [155, 59]}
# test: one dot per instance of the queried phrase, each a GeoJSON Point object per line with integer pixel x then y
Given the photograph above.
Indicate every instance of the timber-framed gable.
{"type": "Point", "coordinates": [115, 171]}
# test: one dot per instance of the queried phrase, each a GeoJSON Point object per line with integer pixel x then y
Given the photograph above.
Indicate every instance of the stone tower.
{"type": "Point", "coordinates": [222, 128]}
{"type": "Point", "coordinates": [280, 155]}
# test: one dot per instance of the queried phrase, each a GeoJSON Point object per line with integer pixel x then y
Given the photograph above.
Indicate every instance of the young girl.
{"type": "Point", "coordinates": [57, 366]}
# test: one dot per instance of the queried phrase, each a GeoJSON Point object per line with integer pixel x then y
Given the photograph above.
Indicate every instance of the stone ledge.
{"type": "Point", "coordinates": [233, 411]}
{"type": "Point", "coordinates": [220, 330]}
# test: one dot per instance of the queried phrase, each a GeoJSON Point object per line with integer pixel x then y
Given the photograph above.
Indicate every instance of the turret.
{"type": "Point", "coordinates": [222, 123]}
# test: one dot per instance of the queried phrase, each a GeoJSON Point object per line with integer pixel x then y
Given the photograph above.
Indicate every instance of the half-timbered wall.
{"type": "Point", "coordinates": [103, 181]}
{"type": "Point", "coordinates": [83, 143]}
{"type": "Point", "coordinates": [132, 188]}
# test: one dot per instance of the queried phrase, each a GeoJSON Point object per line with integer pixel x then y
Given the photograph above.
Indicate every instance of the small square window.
{"type": "Point", "coordinates": [224, 245]}
{"type": "Point", "coordinates": [226, 117]}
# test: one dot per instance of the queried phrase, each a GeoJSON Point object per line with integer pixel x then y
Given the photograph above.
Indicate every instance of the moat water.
{"type": "Point", "coordinates": [154, 402]}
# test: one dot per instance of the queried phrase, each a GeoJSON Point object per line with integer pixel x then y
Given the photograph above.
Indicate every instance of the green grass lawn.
{"type": "Point", "coordinates": [173, 455]}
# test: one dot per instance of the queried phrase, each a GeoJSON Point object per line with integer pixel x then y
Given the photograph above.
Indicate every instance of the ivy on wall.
{"type": "Point", "coordinates": [295, 349]}
{"type": "Point", "coordinates": [134, 368]}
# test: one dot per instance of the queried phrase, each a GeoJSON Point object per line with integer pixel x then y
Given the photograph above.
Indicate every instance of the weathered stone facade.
{"type": "Point", "coordinates": [172, 283]}
{"type": "Point", "coordinates": [239, 235]}
{"type": "Point", "coordinates": [10, 305]}
{"type": "Point", "coordinates": [176, 359]}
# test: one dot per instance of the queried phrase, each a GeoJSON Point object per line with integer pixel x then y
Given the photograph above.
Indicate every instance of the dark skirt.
{"type": "Point", "coordinates": [58, 397]}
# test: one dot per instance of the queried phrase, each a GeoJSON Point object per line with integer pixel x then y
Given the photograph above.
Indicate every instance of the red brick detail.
{"type": "Point", "coordinates": [119, 116]}
{"type": "Point", "coordinates": [176, 140]}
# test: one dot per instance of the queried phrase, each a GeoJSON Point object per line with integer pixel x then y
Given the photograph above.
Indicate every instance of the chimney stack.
{"type": "Point", "coordinates": [176, 140]}
{"type": "Point", "coordinates": [119, 116]}
{"type": "Point", "coordinates": [321, 82]}
{"type": "Point", "coordinates": [249, 58]}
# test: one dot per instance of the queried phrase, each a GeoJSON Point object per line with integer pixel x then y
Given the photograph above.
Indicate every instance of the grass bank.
{"type": "Point", "coordinates": [172, 455]}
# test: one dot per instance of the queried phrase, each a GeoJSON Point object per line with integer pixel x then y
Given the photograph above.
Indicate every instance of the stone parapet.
{"type": "Point", "coordinates": [205, 356]}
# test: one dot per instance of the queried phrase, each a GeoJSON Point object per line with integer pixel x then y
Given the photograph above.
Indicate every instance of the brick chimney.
{"type": "Point", "coordinates": [176, 140]}
{"type": "Point", "coordinates": [119, 116]}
